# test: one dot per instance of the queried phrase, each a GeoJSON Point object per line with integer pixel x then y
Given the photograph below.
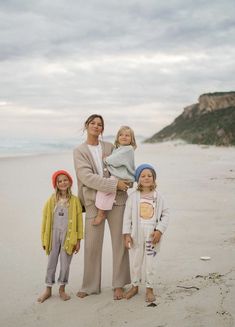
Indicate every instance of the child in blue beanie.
{"type": "Point", "coordinates": [145, 220]}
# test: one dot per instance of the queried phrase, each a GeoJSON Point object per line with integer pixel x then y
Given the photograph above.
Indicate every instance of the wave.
{"type": "Point", "coordinates": [25, 147]}
{"type": "Point", "coordinates": [15, 147]}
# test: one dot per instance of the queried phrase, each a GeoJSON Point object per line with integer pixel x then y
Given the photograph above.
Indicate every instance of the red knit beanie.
{"type": "Point", "coordinates": [60, 172]}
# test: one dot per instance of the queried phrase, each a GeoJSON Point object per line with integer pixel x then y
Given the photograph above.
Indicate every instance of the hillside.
{"type": "Point", "coordinates": [210, 121]}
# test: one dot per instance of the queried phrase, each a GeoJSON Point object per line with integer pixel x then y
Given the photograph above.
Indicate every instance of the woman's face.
{"type": "Point", "coordinates": [95, 127]}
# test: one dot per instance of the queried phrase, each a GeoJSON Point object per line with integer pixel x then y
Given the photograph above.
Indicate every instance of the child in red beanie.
{"type": "Point", "coordinates": [62, 230]}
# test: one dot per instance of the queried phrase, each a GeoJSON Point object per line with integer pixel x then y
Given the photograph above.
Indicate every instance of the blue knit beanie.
{"type": "Point", "coordinates": [140, 168]}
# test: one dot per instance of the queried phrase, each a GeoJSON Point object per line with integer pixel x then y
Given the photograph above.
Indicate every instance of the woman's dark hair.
{"type": "Point", "coordinates": [92, 117]}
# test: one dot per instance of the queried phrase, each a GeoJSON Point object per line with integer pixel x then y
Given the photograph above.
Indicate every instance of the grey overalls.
{"type": "Point", "coordinates": [59, 230]}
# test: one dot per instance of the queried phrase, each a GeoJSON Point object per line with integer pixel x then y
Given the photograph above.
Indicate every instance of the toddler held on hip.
{"type": "Point", "coordinates": [121, 165]}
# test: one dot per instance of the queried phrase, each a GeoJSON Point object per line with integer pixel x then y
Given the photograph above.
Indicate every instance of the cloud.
{"type": "Point", "coordinates": [135, 62]}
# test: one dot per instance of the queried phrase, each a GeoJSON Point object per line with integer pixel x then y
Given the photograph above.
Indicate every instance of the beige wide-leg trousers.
{"type": "Point", "coordinates": [93, 253]}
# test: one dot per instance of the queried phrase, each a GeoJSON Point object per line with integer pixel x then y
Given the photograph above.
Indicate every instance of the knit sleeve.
{"type": "Point", "coordinates": [44, 222]}
{"type": "Point", "coordinates": [87, 176]}
{"type": "Point", "coordinates": [79, 221]}
{"type": "Point", "coordinates": [163, 220]}
{"type": "Point", "coordinates": [127, 218]}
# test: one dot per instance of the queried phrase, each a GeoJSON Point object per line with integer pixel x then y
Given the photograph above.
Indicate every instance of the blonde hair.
{"type": "Point", "coordinates": [151, 188]}
{"type": "Point", "coordinates": [125, 128]}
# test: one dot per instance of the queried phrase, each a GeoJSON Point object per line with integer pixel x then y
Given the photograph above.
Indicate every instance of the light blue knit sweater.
{"type": "Point", "coordinates": [121, 163]}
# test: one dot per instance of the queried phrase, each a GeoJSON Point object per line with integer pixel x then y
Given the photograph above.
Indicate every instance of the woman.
{"type": "Point", "coordinates": [92, 176]}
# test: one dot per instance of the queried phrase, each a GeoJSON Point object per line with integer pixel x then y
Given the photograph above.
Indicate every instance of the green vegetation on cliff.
{"type": "Point", "coordinates": [219, 93]}
{"type": "Point", "coordinates": [212, 128]}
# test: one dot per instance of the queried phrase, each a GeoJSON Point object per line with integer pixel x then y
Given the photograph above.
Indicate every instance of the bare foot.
{"type": "Point", "coordinates": [132, 292]}
{"type": "Point", "coordinates": [149, 296]}
{"type": "Point", "coordinates": [118, 293]}
{"type": "Point", "coordinates": [99, 218]}
{"type": "Point", "coordinates": [82, 294]}
{"type": "Point", "coordinates": [64, 296]}
{"type": "Point", "coordinates": [45, 295]}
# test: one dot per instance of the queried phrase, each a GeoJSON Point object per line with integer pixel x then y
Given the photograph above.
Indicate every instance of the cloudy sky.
{"type": "Point", "coordinates": [136, 62]}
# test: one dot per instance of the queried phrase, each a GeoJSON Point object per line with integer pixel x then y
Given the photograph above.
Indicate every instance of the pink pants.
{"type": "Point", "coordinates": [104, 201]}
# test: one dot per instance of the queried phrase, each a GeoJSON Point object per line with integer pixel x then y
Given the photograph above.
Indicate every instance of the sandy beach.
{"type": "Point", "coordinates": [199, 184]}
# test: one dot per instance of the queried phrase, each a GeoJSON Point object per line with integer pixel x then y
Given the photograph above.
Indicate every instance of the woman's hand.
{"type": "Point", "coordinates": [156, 236]}
{"type": "Point", "coordinates": [122, 185]}
{"type": "Point", "coordinates": [128, 241]}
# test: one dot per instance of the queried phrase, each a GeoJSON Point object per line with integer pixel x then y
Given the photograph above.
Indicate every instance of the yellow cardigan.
{"type": "Point", "coordinates": [75, 224]}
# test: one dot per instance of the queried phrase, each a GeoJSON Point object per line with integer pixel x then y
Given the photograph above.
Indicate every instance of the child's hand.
{"type": "Point", "coordinates": [156, 236]}
{"type": "Point", "coordinates": [128, 241]}
{"type": "Point", "coordinates": [77, 247]}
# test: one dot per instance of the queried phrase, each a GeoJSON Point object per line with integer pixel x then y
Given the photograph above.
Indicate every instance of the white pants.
{"type": "Point", "coordinates": [143, 257]}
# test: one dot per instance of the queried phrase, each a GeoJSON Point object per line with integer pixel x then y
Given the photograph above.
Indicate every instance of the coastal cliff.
{"type": "Point", "coordinates": [210, 121]}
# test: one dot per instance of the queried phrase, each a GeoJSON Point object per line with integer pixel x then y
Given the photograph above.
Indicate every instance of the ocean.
{"type": "Point", "coordinates": [10, 147]}
{"type": "Point", "coordinates": [15, 147]}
